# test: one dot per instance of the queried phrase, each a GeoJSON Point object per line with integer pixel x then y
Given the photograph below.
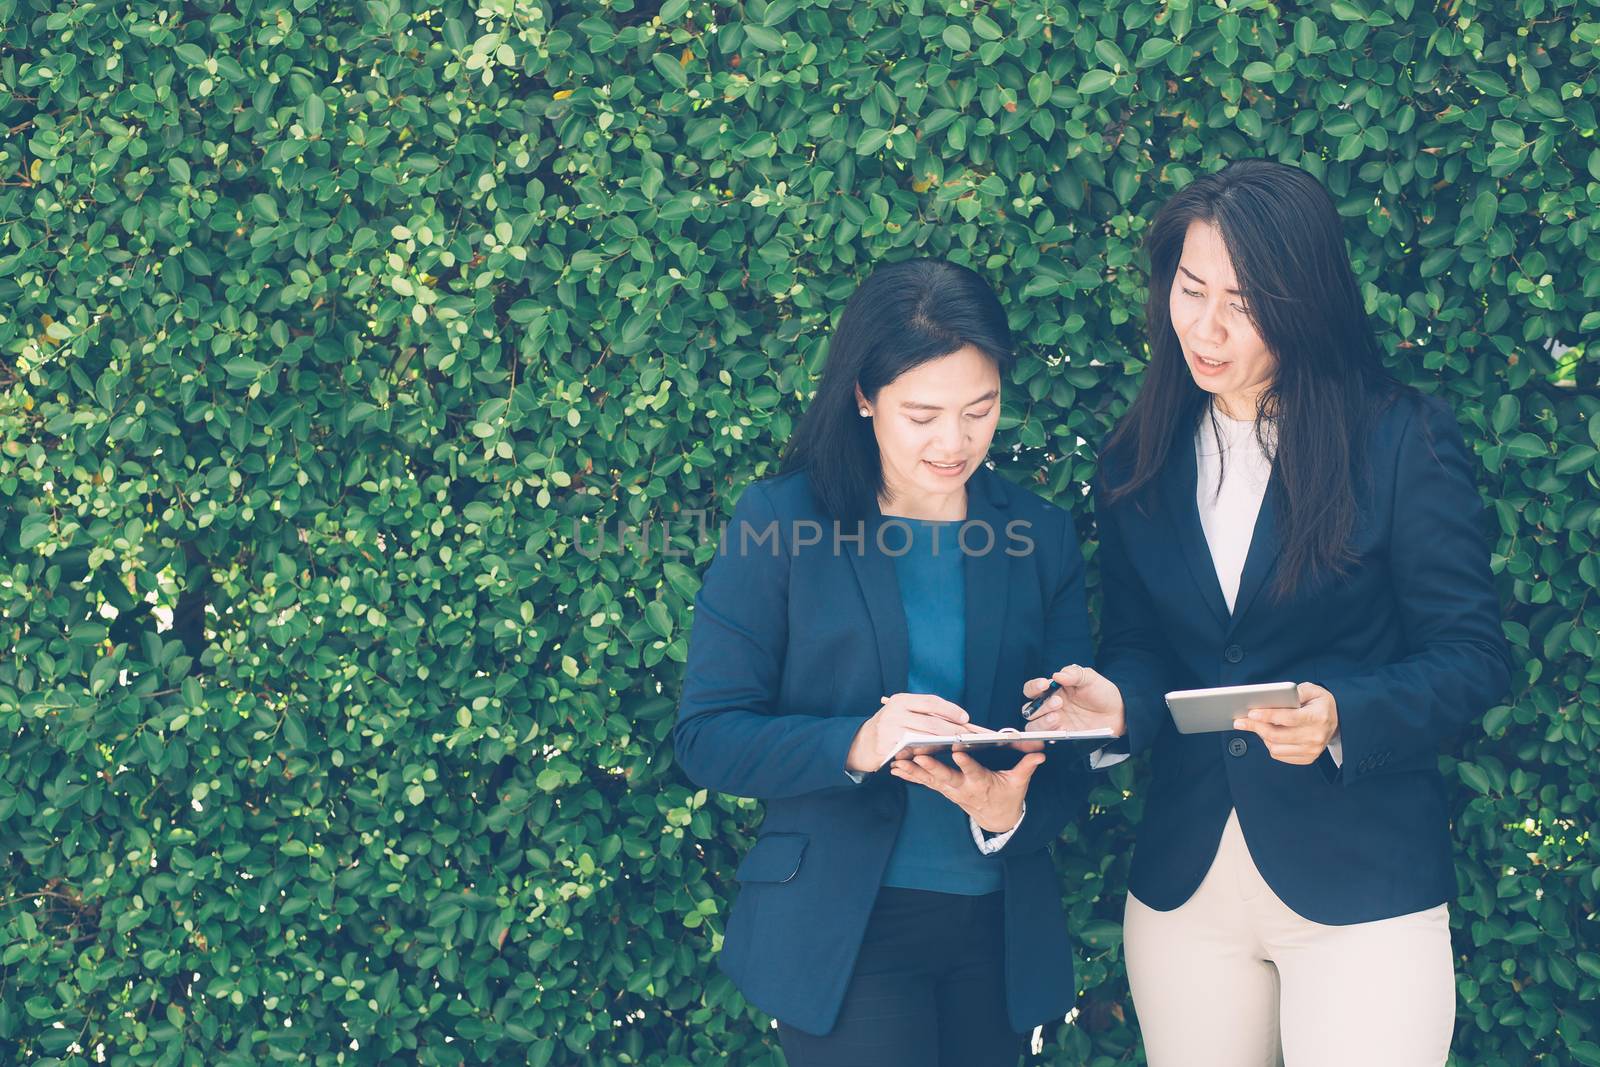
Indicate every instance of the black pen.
{"type": "Point", "coordinates": [1031, 708]}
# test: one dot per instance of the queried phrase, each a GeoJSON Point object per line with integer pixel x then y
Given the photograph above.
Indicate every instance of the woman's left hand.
{"type": "Point", "coordinates": [992, 798]}
{"type": "Point", "coordinates": [1296, 735]}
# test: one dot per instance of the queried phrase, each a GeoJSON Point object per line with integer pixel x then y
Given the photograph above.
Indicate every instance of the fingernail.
{"type": "Point", "coordinates": [1053, 703]}
{"type": "Point", "coordinates": [1238, 724]}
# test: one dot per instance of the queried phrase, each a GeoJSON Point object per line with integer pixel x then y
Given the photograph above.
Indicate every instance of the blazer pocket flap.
{"type": "Point", "coordinates": [773, 858]}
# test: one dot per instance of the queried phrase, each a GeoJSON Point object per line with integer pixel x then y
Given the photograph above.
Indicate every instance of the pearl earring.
{"type": "Point", "coordinates": [865, 413]}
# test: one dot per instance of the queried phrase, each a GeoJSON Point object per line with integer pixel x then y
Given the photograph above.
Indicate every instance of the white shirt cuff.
{"type": "Point", "coordinates": [989, 845]}
{"type": "Point", "coordinates": [1336, 749]}
{"type": "Point", "coordinates": [1100, 759]}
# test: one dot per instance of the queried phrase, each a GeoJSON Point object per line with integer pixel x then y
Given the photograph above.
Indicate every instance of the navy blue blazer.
{"type": "Point", "coordinates": [1408, 641]}
{"type": "Point", "coordinates": [793, 644]}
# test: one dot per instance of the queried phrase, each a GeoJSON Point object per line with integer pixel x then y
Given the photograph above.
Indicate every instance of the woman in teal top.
{"type": "Point", "coordinates": [890, 581]}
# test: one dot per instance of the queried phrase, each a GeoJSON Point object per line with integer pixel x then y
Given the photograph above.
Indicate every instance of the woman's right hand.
{"type": "Point", "coordinates": [1086, 700]}
{"type": "Point", "coordinates": [903, 713]}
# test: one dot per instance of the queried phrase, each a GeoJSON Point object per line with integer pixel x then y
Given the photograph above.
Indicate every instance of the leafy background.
{"type": "Point", "coordinates": [332, 332]}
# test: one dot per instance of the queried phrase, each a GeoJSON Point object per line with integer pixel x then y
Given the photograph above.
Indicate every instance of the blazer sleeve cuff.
{"type": "Point", "coordinates": [1354, 755]}
{"type": "Point", "coordinates": [1144, 707]}
{"type": "Point", "coordinates": [837, 748]}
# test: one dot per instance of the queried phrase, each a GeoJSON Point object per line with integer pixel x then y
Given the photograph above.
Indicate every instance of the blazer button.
{"type": "Point", "coordinates": [1233, 653]}
{"type": "Point", "coordinates": [1237, 747]}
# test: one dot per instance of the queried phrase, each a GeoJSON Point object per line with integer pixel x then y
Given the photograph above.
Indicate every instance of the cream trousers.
{"type": "Point", "coordinates": [1234, 978]}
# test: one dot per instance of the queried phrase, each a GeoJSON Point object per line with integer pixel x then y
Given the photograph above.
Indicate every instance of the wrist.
{"type": "Point", "coordinates": [859, 758]}
{"type": "Point", "coordinates": [997, 820]}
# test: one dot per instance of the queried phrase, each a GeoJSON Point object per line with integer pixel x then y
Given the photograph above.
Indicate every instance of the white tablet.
{"type": "Point", "coordinates": [912, 744]}
{"type": "Point", "coordinates": [1198, 711]}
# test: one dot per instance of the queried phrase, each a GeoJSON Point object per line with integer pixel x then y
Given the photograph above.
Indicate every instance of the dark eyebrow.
{"type": "Point", "coordinates": [1201, 280]}
{"type": "Point", "coordinates": [913, 405]}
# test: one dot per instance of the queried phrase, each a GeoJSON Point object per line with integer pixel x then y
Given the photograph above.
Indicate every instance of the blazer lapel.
{"type": "Point", "coordinates": [881, 589]}
{"type": "Point", "coordinates": [986, 574]}
{"type": "Point", "coordinates": [1262, 559]}
{"type": "Point", "coordinates": [1178, 485]}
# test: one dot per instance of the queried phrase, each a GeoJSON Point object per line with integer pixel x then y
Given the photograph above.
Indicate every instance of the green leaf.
{"type": "Point", "coordinates": [778, 11]}
{"type": "Point", "coordinates": [1100, 934]}
{"type": "Point", "coordinates": [1485, 209]}
{"type": "Point", "coordinates": [768, 40]}
{"type": "Point", "coordinates": [1494, 722]}
{"type": "Point", "coordinates": [1488, 81]}
{"type": "Point", "coordinates": [1475, 777]}
{"type": "Point", "coordinates": [1505, 158]}
{"type": "Point", "coordinates": [683, 581]}
{"type": "Point", "coordinates": [1124, 180]}
{"type": "Point", "coordinates": [1507, 412]}
{"type": "Point", "coordinates": [672, 71]}
{"type": "Point", "coordinates": [1585, 1053]}
{"type": "Point", "coordinates": [1575, 459]}
{"type": "Point", "coordinates": [1096, 81]}
{"type": "Point", "coordinates": [656, 614]}
{"type": "Point", "coordinates": [957, 39]}
{"type": "Point", "coordinates": [1107, 52]}
{"type": "Point", "coordinates": [1259, 72]}
{"type": "Point", "coordinates": [986, 27]}
{"type": "Point", "coordinates": [1039, 88]}
{"type": "Point", "coordinates": [1507, 133]}
{"type": "Point", "coordinates": [35, 530]}
{"type": "Point", "coordinates": [1154, 51]}
{"type": "Point", "coordinates": [1527, 446]}
{"type": "Point", "coordinates": [1305, 35]}
{"type": "Point", "coordinates": [316, 111]}
{"type": "Point", "coordinates": [196, 262]}
{"type": "Point", "coordinates": [871, 141]}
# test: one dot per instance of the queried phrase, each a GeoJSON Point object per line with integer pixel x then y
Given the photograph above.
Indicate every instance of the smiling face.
{"type": "Point", "coordinates": [934, 424]}
{"type": "Point", "coordinates": [1224, 353]}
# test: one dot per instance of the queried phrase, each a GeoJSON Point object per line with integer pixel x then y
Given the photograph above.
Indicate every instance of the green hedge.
{"type": "Point", "coordinates": [331, 333]}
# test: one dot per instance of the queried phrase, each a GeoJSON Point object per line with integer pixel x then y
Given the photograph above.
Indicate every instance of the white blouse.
{"type": "Point", "coordinates": [1233, 469]}
{"type": "Point", "coordinates": [1232, 483]}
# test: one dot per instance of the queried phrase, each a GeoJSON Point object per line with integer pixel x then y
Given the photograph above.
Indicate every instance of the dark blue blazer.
{"type": "Point", "coordinates": [1408, 641]}
{"type": "Point", "coordinates": [792, 646]}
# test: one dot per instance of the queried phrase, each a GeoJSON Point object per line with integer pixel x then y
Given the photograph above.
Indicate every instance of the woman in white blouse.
{"type": "Point", "coordinates": [1275, 508]}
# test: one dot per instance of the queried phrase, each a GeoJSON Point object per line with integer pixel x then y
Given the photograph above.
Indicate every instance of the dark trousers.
{"type": "Point", "coordinates": [929, 989]}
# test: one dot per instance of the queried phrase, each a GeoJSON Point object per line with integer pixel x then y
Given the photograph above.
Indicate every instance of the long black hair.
{"type": "Point", "coordinates": [1284, 237]}
{"type": "Point", "coordinates": [902, 316]}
